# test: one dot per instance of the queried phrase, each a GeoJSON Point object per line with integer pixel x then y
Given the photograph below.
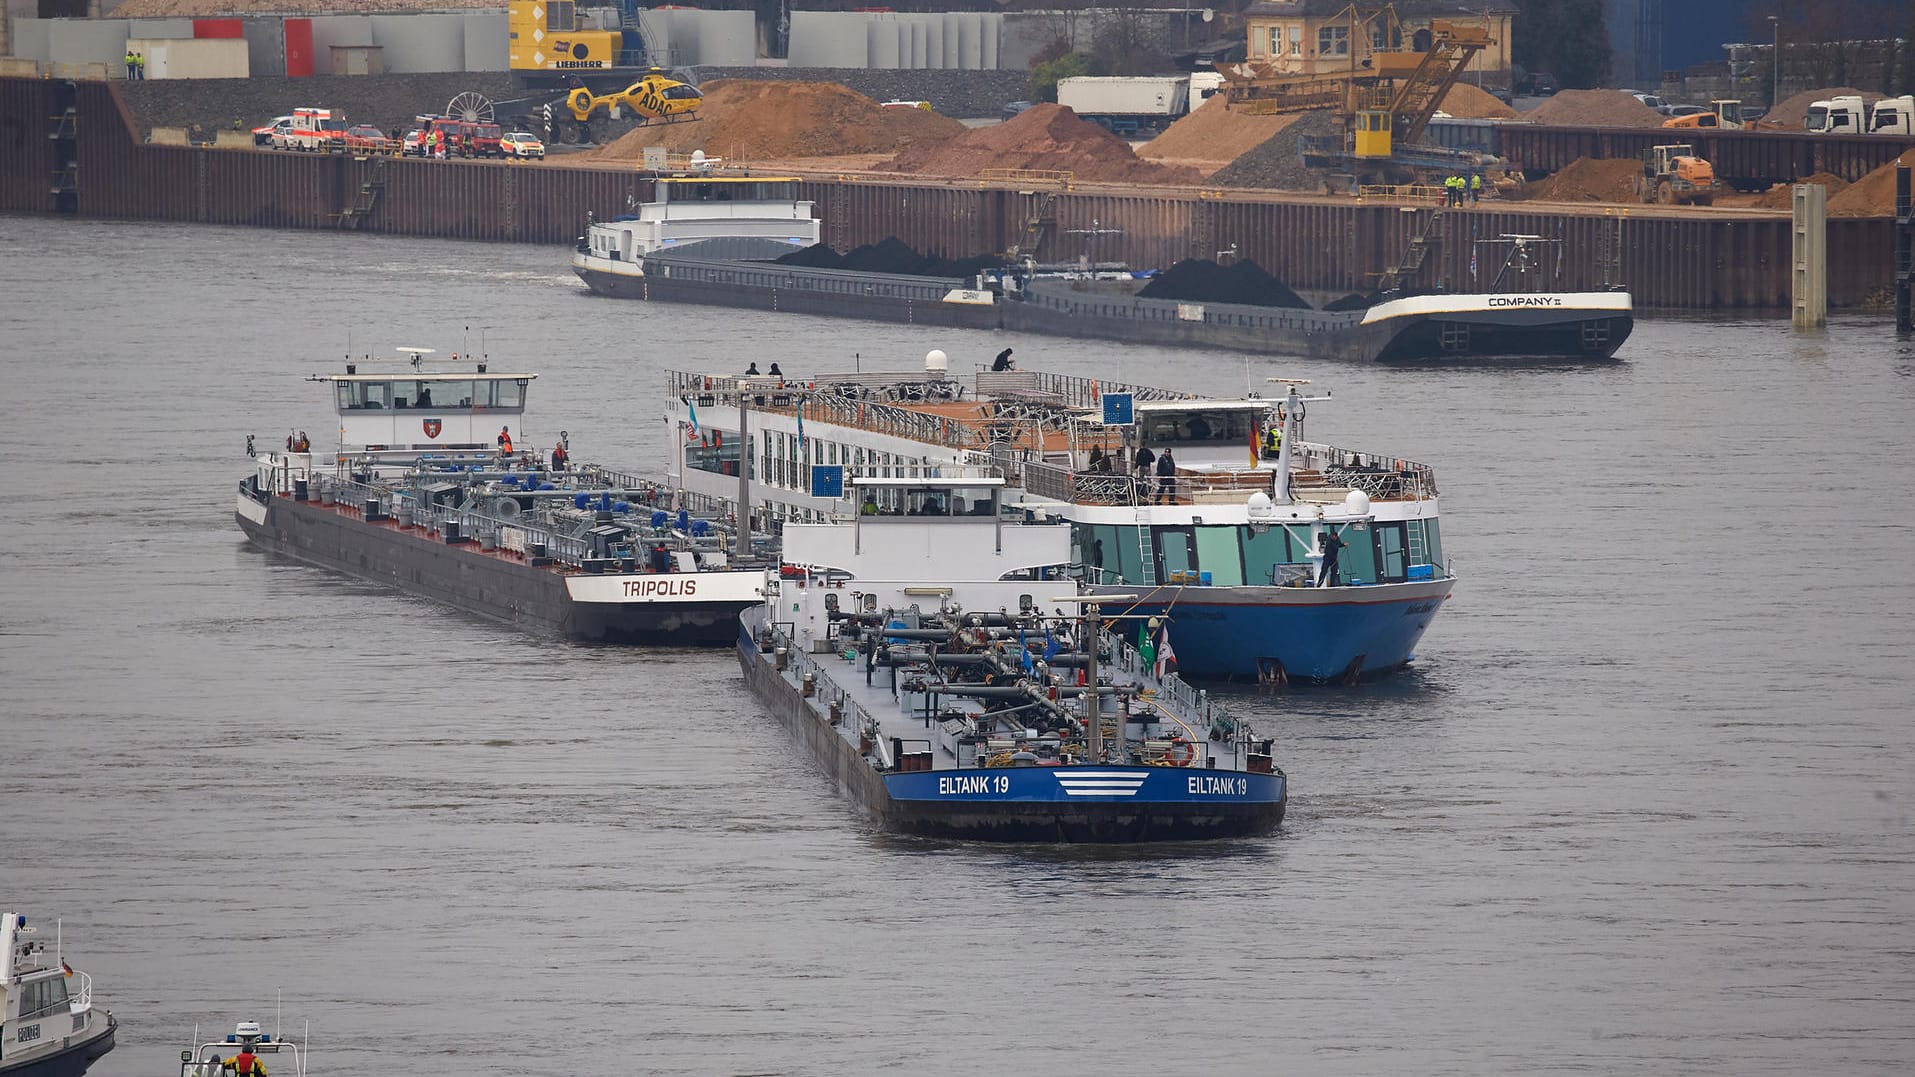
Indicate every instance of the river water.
{"type": "Point", "coordinates": [1642, 805]}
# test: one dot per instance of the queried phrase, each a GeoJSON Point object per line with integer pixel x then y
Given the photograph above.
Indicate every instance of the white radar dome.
{"type": "Point", "coordinates": [936, 361]}
{"type": "Point", "coordinates": [1260, 504]}
{"type": "Point", "coordinates": [1357, 503]}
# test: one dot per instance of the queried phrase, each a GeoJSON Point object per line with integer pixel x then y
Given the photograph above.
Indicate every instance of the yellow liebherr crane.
{"type": "Point", "coordinates": [1387, 101]}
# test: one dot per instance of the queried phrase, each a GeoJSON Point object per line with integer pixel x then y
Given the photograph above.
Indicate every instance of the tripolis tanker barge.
{"type": "Point", "coordinates": [426, 493]}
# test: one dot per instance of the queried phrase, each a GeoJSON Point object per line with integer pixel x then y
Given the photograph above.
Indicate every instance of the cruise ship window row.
{"type": "Point", "coordinates": [1235, 555]}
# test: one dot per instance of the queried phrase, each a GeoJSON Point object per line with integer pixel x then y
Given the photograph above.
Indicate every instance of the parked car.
{"type": "Point", "coordinates": [1014, 108]}
{"type": "Point", "coordinates": [1649, 100]}
{"type": "Point", "coordinates": [263, 135]}
{"type": "Point", "coordinates": [524, 145]}
{"type": "Point", "coordinates": [1686, 110]}
{"type": "Point", "coordinates": [1536, 84]}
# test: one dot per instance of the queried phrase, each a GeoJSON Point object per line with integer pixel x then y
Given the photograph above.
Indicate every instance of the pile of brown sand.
{"type": "Point", "coordinates": [1871, 196]}
{"type": "Point", "coordinates": [1782, 195]}
{"type": "Point", "coordinates": [1793, 111]}
{"type": "Point", "coordinates": [745, 119]}
{"type": "Point", "coordinates": [1466, 102]}
{"type": "Point", "coordinates": [1595, 108]}
{"type": "Point", "coordinates": [1589, 179]}
{"type": "Point", "coordinates": [1214, 133]}
{"type": "Point", "coordinates": [1045, 137]}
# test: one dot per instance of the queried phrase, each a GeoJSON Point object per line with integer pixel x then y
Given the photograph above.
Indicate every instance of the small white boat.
{"type": "Point", "coordinates": [48, 1024]}
{"type": "Point", "coordinates": [246, 1050]}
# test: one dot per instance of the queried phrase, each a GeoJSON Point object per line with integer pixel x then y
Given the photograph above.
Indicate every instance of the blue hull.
{"type": "Point", "coordinates": [1361, 632]}
{"type": "Point", "coordinates": [1087, 803]}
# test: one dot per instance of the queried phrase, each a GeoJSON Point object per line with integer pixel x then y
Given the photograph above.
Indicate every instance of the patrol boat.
{"type": "Point", "coordinates": [48, 1024]}
{"type": "Point", "coordinates": [421, 494]}
{"type": "Point", "coordinates": [247, 1038]}
{"type": "Point", "coordinates": [1315, 562]}
{"type": "Point", "coordinates": [934, 655]}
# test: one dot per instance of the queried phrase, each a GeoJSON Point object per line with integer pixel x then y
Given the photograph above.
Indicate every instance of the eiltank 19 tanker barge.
{"type": "Point", "coordinates": [941, 666]}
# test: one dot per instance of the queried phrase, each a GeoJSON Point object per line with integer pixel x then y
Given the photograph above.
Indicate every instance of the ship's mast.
{"type": "Point", "coordinates": [1292, 429]}
{"type": "Point", "coordinates": [744, 473]}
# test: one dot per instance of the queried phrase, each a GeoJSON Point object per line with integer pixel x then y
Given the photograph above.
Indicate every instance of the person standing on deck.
{"type": "Point", "coordinates": [1331, 574]}
{"type": "Point", "coordinates": [1166, 478]}
{"type": "Point", "coordinates": [1140, 464]}
{"type": "Point", "coordinates": [129, 65]}
{"type": "Point", "coordinates": [505, 441]}
{"type": "Point", "coordinates": [1475, 187]}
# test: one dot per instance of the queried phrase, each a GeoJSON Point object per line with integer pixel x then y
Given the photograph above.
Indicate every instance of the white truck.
{"type": "Point", "coordinates": [1127, 104]}
{"type": "Point", "coordinates": [1893, 116]}
{"type": "Point", "coordinates": [1850, 115]}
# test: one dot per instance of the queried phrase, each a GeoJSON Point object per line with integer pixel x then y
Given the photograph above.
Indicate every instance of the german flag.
{"type": "Point", "coordinates": [67, 967]}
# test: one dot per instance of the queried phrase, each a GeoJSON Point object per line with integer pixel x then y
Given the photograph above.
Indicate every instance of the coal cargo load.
{"type": "Point", "coordinates": [1204, 281]}
{"type": "Point", "coordinates": [889, 255]}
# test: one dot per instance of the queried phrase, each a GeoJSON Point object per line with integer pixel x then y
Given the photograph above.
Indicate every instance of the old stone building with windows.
{"type": "Point", "coordinates": [1308, 37]}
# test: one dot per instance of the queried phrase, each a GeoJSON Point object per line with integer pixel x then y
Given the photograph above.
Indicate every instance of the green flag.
{"type": "Point", "coordinates": [1144, 646]}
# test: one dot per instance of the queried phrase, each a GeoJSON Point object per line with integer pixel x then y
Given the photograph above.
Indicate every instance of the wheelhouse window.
{"type": "Point", "coordinates": [1197, 427]}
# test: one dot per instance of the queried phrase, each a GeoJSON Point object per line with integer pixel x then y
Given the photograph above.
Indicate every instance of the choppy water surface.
{"type": "Point", "coordinates": [1643, 806]}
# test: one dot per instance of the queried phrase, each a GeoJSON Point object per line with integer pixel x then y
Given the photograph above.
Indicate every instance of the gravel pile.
{"type": "Point", "coordinates": [1871, 196]}
{"type": "Point", "coordinates": [751, 120]}
{"type": "Point", "coordinates": [1043, 138]}
{"type": "Point", "coordinates": [1589, 179]}
{"type": "Point", "coordinates": [1201, 280]}
{"type": "Point", "coordinates": [1782, 195]}
{"type": "Point", "coordinates": [1276, 164]}
{"type": "Point", "coordinates": [1595, 108]}
{"type": "Point", "coordinates": [1466, 102]}
{"type": "Point", "coordinates": [889, 255]}
{"type": "Point", "coordinates": [1214, 132]}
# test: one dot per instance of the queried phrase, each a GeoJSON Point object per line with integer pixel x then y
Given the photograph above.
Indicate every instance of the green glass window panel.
{"type": "Point", "coordinates": [1177, 552]}
{"type": "Point", "coordinates": [1129, 555]}
{"type": "Point", "coordinates": [1218, 555]}
{"type": "Point", "coordinates": [1358, 559]}
{"type": "Point", "coordinates": [1262, 554]}
{"type": "Point", "coordinates": [1435, 542]}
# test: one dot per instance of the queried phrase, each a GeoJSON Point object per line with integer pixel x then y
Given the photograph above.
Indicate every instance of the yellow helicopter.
{"type": "Point", "coordinates": [654, 97]}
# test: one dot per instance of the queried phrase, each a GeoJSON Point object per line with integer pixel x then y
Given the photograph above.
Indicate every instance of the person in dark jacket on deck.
{"type": "Point", "coordinates": [1166, 478]}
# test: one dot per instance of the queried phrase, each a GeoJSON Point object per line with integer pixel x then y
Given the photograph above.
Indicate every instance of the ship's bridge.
{"type": "Point", "coordinates": [1202, 432]}
{"type": "Point", "coordinates": [410, 407]}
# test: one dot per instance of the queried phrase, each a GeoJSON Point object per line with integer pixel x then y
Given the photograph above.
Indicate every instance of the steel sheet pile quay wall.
{"type": "Point", "coordinates": [1702, 261]}
{"type": "Point", "coordinates": [1771, 156]}
{"type": "Point", "coordinates": [26, 153]}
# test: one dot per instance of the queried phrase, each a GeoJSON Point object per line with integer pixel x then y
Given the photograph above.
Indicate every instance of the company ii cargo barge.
{"type": "Point", "coordinates": [715, 240]}
{"type": "Point", "coordinates": [425, 495]}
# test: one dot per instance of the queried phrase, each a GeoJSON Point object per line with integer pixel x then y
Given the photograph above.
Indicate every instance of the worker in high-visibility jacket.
{"type": "Point", "coordinates": [1272, 441]}
{"type": "Point", "coordinates": [245, 1064]}
{"type": "Point", "coordinates": [505, 440]}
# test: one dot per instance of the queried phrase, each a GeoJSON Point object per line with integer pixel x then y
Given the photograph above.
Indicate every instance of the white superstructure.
{"type": "Point", "coordinates": [693, 209]}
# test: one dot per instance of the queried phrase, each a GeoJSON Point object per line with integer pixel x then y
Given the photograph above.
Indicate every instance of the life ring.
{"type": "Point", "coordinates": [1189, 756]}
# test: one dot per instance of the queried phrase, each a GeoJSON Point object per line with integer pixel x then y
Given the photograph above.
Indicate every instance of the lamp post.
{"type": "Point", "coordinates": [1775, 56]}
